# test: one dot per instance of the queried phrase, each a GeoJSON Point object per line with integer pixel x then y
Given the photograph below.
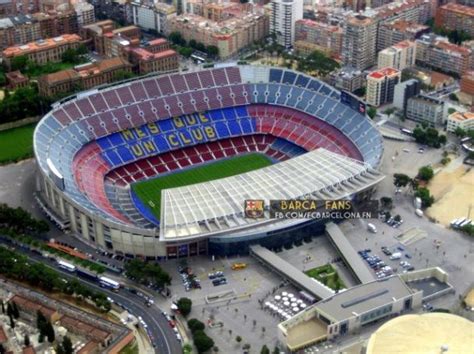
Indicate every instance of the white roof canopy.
{"type": "Point", "coordinates": [217, 207]}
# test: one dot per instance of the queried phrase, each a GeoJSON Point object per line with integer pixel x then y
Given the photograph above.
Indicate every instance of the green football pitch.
{"type": "Point", "coordinates": [16, 144]}
{"type": "Point", "coordinates": [149, 192]}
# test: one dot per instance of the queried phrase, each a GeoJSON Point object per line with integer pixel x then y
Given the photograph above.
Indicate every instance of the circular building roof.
{"type": "Point", "coordinates": [426, 333]}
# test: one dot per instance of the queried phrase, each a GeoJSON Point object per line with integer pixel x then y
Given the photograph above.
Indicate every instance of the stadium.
{"type": "Point", "coordinates": [160, 167]}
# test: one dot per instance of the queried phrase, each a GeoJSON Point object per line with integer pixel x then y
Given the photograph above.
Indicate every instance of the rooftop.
{"type": "Point", "coordinates": [405, 26]}
{"type": "Point", "coordinates": [144, 54]}
{"type": "Point", "coordinates": [425, 333]}
{"type": "Point", "coordinates": [404, 44]}
{"type": "Point", "coordinates": [318, 24]}
{"type": "Point", "coordinates": [461, 117]}
{"type": "Point", "coordinates": [43, 44]}
{"type": "Point", "coordinates": [384, 72]}
{"type": "Point", "coordinates": [363, 298]}
{"type": "Point", "coordinates": [210, 207]}
{"type": "Point", "coordinates": [459, 9]}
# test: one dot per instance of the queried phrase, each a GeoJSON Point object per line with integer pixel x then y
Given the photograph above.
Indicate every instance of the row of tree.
{"type": "Point", "coordinates": [428, 136]}
{"type": "Point", "coordinates": [319, 62]}
{"type": "Point", "coordinates": [424, 174]}
{"type": "Point", "coordinates": [187, 48]}
{"type": "Point", "coordinates": [23, 103]}
{"type": "Point", "coordinates": [16, 266]}
{"type": "Point", "coordinates": [201, 340]}
{"type": "Point", "coordinates": [18, 220]}
{"type": "Point", "coordinates": [147, 273]}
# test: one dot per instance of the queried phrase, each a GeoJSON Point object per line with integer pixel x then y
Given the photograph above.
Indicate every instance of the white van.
{"type": "Point", "coordinates": [372, 228]}
{"type": "Point", "coordinates": [395, 256]}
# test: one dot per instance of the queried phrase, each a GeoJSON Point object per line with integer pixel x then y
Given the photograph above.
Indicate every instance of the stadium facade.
{"type": "Point", "coordinates": [91, 148]}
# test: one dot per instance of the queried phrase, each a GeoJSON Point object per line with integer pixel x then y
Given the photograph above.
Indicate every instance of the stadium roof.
{"type": "Point", "coordinates": [217, 207]}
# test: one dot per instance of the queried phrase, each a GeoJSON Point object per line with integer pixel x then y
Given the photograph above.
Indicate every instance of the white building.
{"type": "Point", "coordinates": [284, 15]}
{"type": "Point", "coordinates": [153, 17]}
{"type": "Point", "coordinates": [464, 121]}
{"type": "Point", "coordinates": [399, 56]}
{"type": "Point", "coordinates": [85, 13]}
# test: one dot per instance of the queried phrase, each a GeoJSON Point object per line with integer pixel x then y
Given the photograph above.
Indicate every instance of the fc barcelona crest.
{"type": "Point", "coordinates": [254, 208]}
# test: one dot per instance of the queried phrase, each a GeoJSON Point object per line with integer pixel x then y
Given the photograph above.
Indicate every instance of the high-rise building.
{"type": "Point", "coordinates": [424, 109]}
{"type": "Point", "coordinates": [397, 31]}
{"type": "Point", "coordinates": [283, 19]}
{"type": "Point", "coordinates": [403, 91]}
{"type": "Point", "coordinates": [437, 53]}
{"type": "Point", "coordinates": [359, 42]}
{"type": "Point", "coordinates": [399, 56]}
{"type": "Point", "coordinates": [456, 17]}
{"type": "Point", "coordinates": [381, 86]}
{"type": "Point", "coordinates": [152, 17]}
{"type": "Point", "coordinates": [312, 35]}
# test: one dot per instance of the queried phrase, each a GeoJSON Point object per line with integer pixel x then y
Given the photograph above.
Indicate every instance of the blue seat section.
{"type": "Point", "coordinates": [272, 91]}
{"type": "Point", "coordinates": [302, 81]}
{"type": "Point", "coordinates": [261, 90]}
{"type": "Point", "coordinates": [275, 75]}
{"type": "Point", "coordinates": [164, 135]}
{"type": "Point", "coordinates": [287, 147]}
{"type": "Point", "coordinates": [314, 85]}
{"type": "Point", "coordinates": [144, 210]}
{"type": "Point", "coordinates": [289, 78]}
{"type": "Point", "coordinates": [325, 90]}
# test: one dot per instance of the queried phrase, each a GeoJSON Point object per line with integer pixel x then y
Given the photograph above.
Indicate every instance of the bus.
{"type": "Point", "coordinates": [459, 222]}
{"type": "Point", "coordinates": [67, 266]}
{"type": "Point", "coordinates": [465, 223]}
{"type": "Point", "coordinates": [237, 266]}
{"type": "Point", "coordinates": [109, 283]}
{"type": "Point", "coordinates": [406, 131]}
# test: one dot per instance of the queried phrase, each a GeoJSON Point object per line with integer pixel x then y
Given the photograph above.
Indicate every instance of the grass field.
{"type": "Point", "coordinates": [16, 144]}
{"type": "Point", "coordinates": [149, 192]}
{"type": "Point", "coordinates": [327, 275]}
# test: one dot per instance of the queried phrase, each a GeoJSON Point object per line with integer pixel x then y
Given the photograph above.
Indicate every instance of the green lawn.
{"type": "Point", "coordinates": [327, 275]}
{"type": "Point", "coordinates": [16, 144]}
{"type": "Point", "coordinates": [149, 192]}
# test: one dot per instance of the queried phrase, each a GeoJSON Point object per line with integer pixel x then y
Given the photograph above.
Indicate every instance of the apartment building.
{"type": "Point", "coordinates": [359, 42]}
{"type": "Point", "coordinates": [18, 29]}
{"type": "Point", "coordinates": [347, 79]}
{"type": "Point", "coordinates": [464, 121]}
{"type": "Point", "coordinates": [424, 109]}
{"type": "Point", "coordinates": [312, 35]}
{"type": "Point", "coordinates": [152, 17]}
{"type": "Point", "coordinates": [467, 83]}
{"type": "Point", "coordinates": [82, 77]}
{"type": "Point", "coordinates": [397, 31]}
{"type": "Point", "coordinates": [53, 23]}
{"type": "Point", "coordinates": [454, 16]}
{"type": "Point", "coordinates": [43, 51]}
{"type": "Point", "coordinates": [229, 36]}
{"type": "Point", "coordinates": [437, 53]}
{"type": "Point", "coordinates": [284, 14]}
{"type": "Point", "coordinates": [399, 56]}
{"type": "Point", "coordinates": [381, 86]}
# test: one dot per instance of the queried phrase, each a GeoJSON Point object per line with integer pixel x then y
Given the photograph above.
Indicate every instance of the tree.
{"type": "Point", "coordinates": [426, 199]}
{"type": "Point", "coordinates": [238, 339]}
{"type": "Point", "coordinates": [263, 330]}
{"type": "Point", "coordinates": [397, 218]}
{"type": "Point", "coordinates": [123, 75]}
{"type": "Point", "coordinates": [185, 51]}
{"type": "Point", "coordinates": [276, 350]}
{"type": "Point", "coordinates": [246, 346]}
{"type": "Point", "coordinates": [453, 97]}
{"type": "Point", "coordinates": [460, 132]}
{"type": "Point", "coordinates": [390, 111]}
{"type": "Point", "coordinates": [184, 306]}
{"type": "Point", "coordinates": [372, 112]}
{"type": "Point", "coordinates": [451, 110]}
{"type": "Point", "coordinates": [192, 43]}
{"type": "Point", "coordinates": [215, 349]}
{"type": "Point", "coordinates": [386, 202]}
{"type": "Point", "coordinates": [187, 348]}
{"type": "Point", "coordinates": [202, 342]}
{"type": "Point", "coordinates": [26, 340]}
{"type": "Point", "coordinates": [177, 38]}
{"type": "Point", "coordinates": [67, 345]}
{"type": "Point", "coordinates": [264, 350]}
{"type": "Point", "coordinates": [12, 322]}
{"type": "Point", "coordinates": [213, 51]}
{"type": "Point", "coordinates": [49, 332]}
{"type": "Point", "coordinates": [425, 173]}
{"type": "Point", "coordinates": [195, 325]}
{"type": "Point", "coordinates": [19, 63]}
{"type": "Point", "coordinates": [15, 311]}
{"type": "Point", "coordinates": [400, 180]}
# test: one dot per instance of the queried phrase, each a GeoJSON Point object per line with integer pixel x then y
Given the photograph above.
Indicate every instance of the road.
{"type": "Point", "coordinates": [164, 337]}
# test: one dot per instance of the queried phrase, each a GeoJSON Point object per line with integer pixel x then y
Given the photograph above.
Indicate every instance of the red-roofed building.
{"type": "Point", "coordinates": [438, 53]}
{"type": "Point", "coordinates": [456, 17]}
{"type": "Point", "coordinates": [381, 86]}
{"type": "Point", "coordinates": [146, 61]}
